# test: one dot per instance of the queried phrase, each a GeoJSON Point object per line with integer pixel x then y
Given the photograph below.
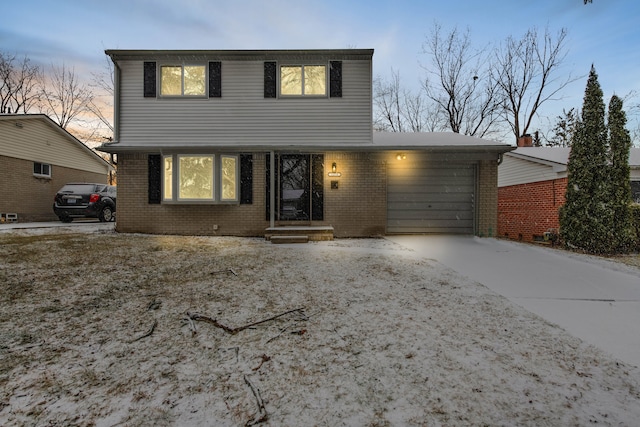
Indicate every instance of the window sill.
{"type": "Point", "coordinates": [199, 202]}
{"type": "Point", "coordinates": [38, 176]}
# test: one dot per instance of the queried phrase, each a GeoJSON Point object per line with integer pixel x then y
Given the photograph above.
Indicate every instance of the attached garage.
{"type": "Point", "coordinates": [440, 182]}
{"type": "Point", "coordinates": [431, 197]}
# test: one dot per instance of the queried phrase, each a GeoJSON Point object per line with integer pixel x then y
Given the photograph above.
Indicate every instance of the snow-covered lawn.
{"type": "Point", "coordinates": [94, 331]}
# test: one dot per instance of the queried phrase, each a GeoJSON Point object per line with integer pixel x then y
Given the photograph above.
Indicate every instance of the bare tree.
{"type": "Point", "coordinates": [388, 105]}
{"type": "Point", "coordinates": [20, 84]}
{"type": "Point", "coordinates": [104, 85]}
{"type": "Point", "coordinates": [65, 98]}
{"type": "Point", "coordinates": [460, 83]}
{"type": "Point", "coordinates": [564, 129]}
{"type": "Point", "coordinates": [400, 110]}
{"type": "Point", "coordinates": [525, 70]}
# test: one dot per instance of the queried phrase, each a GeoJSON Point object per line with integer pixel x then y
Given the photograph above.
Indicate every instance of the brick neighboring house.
{"type": "Point", "coordinates": [38, 157]}
{"type": "Point", "coordinates": [256, 143]}
{"type": "Point", "coordinates": [531, 187]}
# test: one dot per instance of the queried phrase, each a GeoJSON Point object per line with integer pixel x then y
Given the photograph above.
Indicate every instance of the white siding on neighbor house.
{"type": "Point", "coordinates": [35, 140]}
{"type": "Point", "coordinates": [514, 171]}
{"type": "Point", "coordinates": [242, 115]}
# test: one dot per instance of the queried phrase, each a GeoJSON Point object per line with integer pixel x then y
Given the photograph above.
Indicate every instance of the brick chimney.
{"type": "Point", "coordinates": [525, 141]}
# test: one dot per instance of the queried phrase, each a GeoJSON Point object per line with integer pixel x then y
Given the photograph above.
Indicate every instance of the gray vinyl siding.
{"type": "Point", "coordinates": [35, 140]}
{"type": "Point", "coordinates": [242, 115]}
{"type": "Point", "coordinates": [514, 171]}
{"type": "Point", "coordinates": [432, 197]}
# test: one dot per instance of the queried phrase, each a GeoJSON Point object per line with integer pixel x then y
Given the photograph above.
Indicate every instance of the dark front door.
{"type": "Point", "coordinates": [295, 187]}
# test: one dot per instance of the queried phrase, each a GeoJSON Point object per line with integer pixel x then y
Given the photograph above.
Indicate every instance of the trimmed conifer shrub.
{"type": "Point", "coordinates": [585, 222]}
{"type": "Point", "coordinates": [619, 182]}
{"type": "Point", "coordinates": [597, 216]}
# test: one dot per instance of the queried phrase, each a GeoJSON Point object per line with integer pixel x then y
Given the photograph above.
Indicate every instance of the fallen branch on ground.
{"type": "Point", "coordinates": [148, 333]}
{"type": "Point", "coordinates": [192, 326]}
{"type": "Point", "coordinates": [263, 358]}
{"type": "Point", "coordinates": [262, 415]}
{"type": "Point", "coordinates": [233, 331]}
{"type": "Point", "coordinates": [228, 270]}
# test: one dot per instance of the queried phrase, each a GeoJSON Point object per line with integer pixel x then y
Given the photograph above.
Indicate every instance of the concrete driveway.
{"type": "Point", "coordinates": [593, 299]}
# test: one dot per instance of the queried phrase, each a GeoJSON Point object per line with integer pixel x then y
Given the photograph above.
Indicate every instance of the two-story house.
{"type": "Point", "coordinates": [254, 143]}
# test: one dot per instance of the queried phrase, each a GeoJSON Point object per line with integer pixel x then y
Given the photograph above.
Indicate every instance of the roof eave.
{"type": "Point", "coordinates": [117, 148]}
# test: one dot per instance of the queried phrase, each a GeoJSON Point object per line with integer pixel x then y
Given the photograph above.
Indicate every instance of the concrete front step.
{"type": "Point", "coordinates": [316, 233]}
{"type": "Point", "coordinates": [289, 239]}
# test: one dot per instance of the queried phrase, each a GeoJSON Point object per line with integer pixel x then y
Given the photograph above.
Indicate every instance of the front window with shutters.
{"type": "Point", "coordinates": [183, 80]}
{"type": "Point", "coordinates": [303, 80]}
{"type": "Point", "coordinates": [200, 178]}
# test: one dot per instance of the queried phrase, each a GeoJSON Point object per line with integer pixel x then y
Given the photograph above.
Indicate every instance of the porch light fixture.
{"type": "Point", "coordinates": [401, 156]}
{"type": "Point", "coordinates": [334, 170]}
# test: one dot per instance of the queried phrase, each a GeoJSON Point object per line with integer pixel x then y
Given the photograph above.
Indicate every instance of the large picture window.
{"type": "Point", "coordinates": [200, 178]}
{"type": "Point", "coordinates": [303, 80]}
{"type": "Point", "coordinates": [195, 177]}
{"type": "Point", "coordinates": [183, 80]}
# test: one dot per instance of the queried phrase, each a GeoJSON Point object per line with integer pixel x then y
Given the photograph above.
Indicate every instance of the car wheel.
{"type": "Point", "coordinates": [65, 218]}
{"type": "Point", "coordinates": [106, 214]}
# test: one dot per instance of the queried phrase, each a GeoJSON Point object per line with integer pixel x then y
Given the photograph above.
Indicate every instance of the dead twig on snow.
{"type": "Point", "coordinates": [263, 358]}
{"type": "Point", "coordinates": [262, 415]}
{"type": "Point", "coordinates": [233, 331]}
{"type": "Point", "coordinates": [192, 325]}
{"type": "Point", "coordinates": [146, 334]}
{"type": "Point", "coordinates": [228, 270]}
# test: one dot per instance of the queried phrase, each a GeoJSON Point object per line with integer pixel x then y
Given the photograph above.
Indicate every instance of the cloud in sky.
{"type": "Point", "coordinates": [605, 33]}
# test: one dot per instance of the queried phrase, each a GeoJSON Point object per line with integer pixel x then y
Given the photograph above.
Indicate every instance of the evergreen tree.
{"type": "Point", "coordinates": [619, 182]}
{"type": "Point", "coordinates": [585, 222]}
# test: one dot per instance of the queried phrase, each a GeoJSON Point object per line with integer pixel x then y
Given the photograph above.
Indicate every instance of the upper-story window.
{"type": "Point", "coordinates": [303, 80]}
{"type": "Point", "coordinates": [183, 80]}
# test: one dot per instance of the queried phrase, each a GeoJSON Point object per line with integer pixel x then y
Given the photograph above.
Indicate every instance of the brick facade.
{"type": "Point", "coordinates": [526, 211]}
{"type": "Point", "coordinates": [31, 197]}
{"type": "Point", "coordinates": [356, 208]}
{"type": "Point", "coordinates": [487, 196]}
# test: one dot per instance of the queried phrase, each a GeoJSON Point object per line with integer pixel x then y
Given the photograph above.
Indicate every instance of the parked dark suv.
{"type": "Point", "coordinates": [85, 200]}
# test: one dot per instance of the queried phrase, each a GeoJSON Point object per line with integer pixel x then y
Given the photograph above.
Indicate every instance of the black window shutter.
{"type": "Point", "coordinates": [149, 79]}
{"type": "Point", "coordinates": [335, 79]}
{"type": "Point", "coordinates": [215, 79]}
{"type": "Point", "coordinates": [155, 178]}
{"type": "Point", "coordinates": [317, 187]}
{"type": "Point", "coordinates": [270, 80]}
{"type": "Point", "coordinates": [246, 179]}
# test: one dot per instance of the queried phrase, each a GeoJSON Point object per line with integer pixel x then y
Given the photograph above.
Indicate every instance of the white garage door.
{"type": "Point", "coordinates": [430, 198]}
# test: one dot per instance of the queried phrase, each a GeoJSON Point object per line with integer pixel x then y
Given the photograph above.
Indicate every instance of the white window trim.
{"type": "Point", "coordinates": [182, 65]}
{"type": "Point", "coordinates": [303, 95]}
{"type": "Point", "coordinates": [42, 175]}
{"type": "Point", "coordinates": [217, 180]}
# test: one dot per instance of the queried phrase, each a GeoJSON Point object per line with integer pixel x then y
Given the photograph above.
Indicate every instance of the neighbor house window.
{"type": "Point", "coordinates": [201, 178]}
{"type": "Point", "coordinates": [635, 191]}
{"type": "Point", "coordinates": [42, 170]}
{"type": "Point", "coordinates": [303, 80]}
{"type": "Point", "coordinates": [183, 80]}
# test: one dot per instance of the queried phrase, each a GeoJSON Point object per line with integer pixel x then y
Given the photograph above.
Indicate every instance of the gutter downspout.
{"type": "Point", "coordinates": [116, 101]}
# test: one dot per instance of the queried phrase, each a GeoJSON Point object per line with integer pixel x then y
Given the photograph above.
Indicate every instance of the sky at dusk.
{"type": "Point", "coordinates": [605, 33]}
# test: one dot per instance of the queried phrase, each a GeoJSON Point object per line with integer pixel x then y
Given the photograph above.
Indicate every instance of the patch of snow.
{"type": "Point", "coordinates": [383, 336]}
